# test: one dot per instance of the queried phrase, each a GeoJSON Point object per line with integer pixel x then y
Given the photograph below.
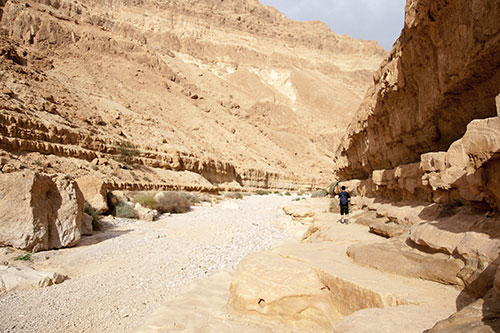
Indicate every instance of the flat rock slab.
{"type": "Point", "coordinates": [315, 285]}
{"type": "Point", "coordinates": [13, 278]}
{"type": "Point", "coordinates": [201, 308]}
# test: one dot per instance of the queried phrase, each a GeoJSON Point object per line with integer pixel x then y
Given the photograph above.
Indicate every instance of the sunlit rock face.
{"type": "Point", "coordinates": [441, 74]}
{"type": "Point", "coordinates": [230, 90]}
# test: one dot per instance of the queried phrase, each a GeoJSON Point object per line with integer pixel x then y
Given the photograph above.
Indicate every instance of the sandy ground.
{"type": "Point", "coordinates": [118, 277]}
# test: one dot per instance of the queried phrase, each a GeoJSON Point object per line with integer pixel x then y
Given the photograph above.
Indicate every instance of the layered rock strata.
{"type": "Point", "coordinates": [441, 74]}
{"type": "Point", "coordinates": [153, 85]}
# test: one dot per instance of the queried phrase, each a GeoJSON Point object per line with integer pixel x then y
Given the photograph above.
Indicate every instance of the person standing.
{"type": "Point", "coordinates": [344, 199]}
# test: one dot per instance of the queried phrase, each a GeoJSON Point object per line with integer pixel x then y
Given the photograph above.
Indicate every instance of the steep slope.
{"type": "Point", "coordinates": [233, 91]}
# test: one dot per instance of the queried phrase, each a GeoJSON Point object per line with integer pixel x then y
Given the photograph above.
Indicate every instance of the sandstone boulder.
{"type": "Point", "coordinates": [395, 256]}
{"type": "Point", "coordinates": [94, 191]}
{"type": "Point", "coordinates": [146, 214]}
{"type": "Point", "coordinates": [281, 290]}
{"type": "Point", "coordinates": [65, 228]}
{"type": "Point", "coordinates": [15, 278]}
{"type": "Point", "coordinates": [38, 212]}
{"type": "Point", "coordinates": [481, 316]}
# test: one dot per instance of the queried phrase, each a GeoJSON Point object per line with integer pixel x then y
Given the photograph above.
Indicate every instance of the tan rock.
{"type": "Point", "coordinates": [39, 212]}
{"type": "Point", "coordinates": [396, 257]}
{"type": "Point", "coordinates": [281, 290]}
{"type": "Point", "coordinates": [65, 228]}
{"type": "Point", "coordinates": [24, 213]}
{"type": "Point", "coordinates": [146, 214]}
{"type": "Point", "coordinates": [94, 191]}
{"type": "Point", "coordinates": [300, 214]}
{"type": "Point", "coordinates": [386, 229]}
{"type": "Point", "coordinates": [412, 108]}
{"type": "Point", "coordinates": [496, 282]}
{"type": "Point", "coordinates": [397, 319]}
{"type": "Point", "coordinates": [480, 316]}
{"type": "Point", "coordinates": [17, 278]}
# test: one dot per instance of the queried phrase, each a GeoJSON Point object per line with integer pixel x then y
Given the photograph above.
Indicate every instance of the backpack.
{"type": "Point", "coordinates": [344, 198]}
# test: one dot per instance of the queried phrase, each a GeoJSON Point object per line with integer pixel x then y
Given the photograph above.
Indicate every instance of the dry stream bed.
{"type": "Point", "coordinates": [118, 277]}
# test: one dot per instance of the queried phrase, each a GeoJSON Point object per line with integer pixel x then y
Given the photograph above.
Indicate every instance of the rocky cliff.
{"type": "Point", "coordinates": [423, 153]}
{"type": "Point", "coordinates": [232, 91]}
{"type": "Point", "coordinates": [441, 74]}
{"type": "Point", "coordinates": [428, 129]}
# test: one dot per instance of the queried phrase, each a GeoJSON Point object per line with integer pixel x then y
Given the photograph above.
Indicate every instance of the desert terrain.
{"type": "Point", "coordinates": [174, 166]}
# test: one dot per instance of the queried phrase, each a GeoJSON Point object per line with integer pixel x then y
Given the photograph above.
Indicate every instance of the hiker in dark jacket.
{"type": "Point", "coordinates": [344, 199]}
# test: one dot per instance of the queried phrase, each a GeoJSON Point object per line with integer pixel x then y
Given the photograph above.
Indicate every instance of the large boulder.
{"type": "Point", "coordinates": [269, 286]}
{"type": "Point", "coordinates": [39, 212]}
{"type": "Point", "coordinates": [65, 228]}
{"type": "Point", "coordinates": [95, 192]}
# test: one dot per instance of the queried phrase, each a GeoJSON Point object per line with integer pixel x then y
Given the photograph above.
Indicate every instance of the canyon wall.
{"type": "Point", "coordinates": [441, 74]}
{"type": "Point", "coordinates": [429, 129]}
{"type": "Point", "coordinates": [232, 91]}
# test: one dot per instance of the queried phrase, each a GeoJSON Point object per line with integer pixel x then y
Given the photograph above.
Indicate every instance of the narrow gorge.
{"type": "Point", "coordinates": [219, 98]}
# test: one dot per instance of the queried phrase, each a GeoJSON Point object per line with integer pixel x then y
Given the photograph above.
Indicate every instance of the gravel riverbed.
{"type": "Point", "coordinates": [118, 277]}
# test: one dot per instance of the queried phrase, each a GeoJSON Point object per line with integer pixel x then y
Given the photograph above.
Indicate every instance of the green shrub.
{"type": "Point", "coordinates": [96, 220]}
{"type": "Point", "coordinates": [125, 210]}
{"type": "Point", "coordinates": [261, 192]}
{"type": "Point", "coordinates": [288, 193]}
{"type": "Point", "coordinates": [146, 200]}
{"type": "Point", "coordinates": [173, 202]}
{"type": "Point", "coordinates": [26, 257]}
{"type": "Point", "coordinates": [319, 194]}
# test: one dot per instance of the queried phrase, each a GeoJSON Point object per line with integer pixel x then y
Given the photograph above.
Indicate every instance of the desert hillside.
{"type": "Point", "coordinates": [192, 93]}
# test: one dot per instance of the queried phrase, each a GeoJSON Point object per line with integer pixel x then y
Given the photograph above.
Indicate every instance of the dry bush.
{"type": "Point", "coordinates": [234, 195]}
{"type": "Point", "coordinates": [125, 210]}
{"type": "Point", "coordinates": [193, 199]}
{"type": "Point", "coordinates": [173, 202]}
{"type": "Point", "coordinates": [146, 200]}
{"type": "Point", "coordinates": [319, 194]}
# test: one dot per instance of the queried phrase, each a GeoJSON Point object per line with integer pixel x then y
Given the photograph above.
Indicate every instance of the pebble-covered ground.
{"type": "Point", "coordinates": [118, 277]}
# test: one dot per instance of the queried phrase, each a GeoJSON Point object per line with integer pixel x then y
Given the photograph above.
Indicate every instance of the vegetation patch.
{"type": "Point", "coordinates": [125, 210]}
{"type": "Point", "coordinates": [146, 200]}
{"type": "Point", "coordinates": [173, 202]}
{"type": "Point", "coordinates": [234, 195]}
{"type": "Point", "coordinates": [261, 192]}
{"type": "Point", "coordinates": [319, 194]}
{"type": "Point", "coordinates": [126, 149]}
{"type": "Point", "coordinates": [96, 220]}
{"type": "Point", "coordinates": [26, 257]}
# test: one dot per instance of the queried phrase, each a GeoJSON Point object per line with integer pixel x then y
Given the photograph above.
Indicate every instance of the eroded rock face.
{"type": "Point", "coordinates": [95, 192]}
{"type": "Point", "coordinates": [247, 103]}
{"type": "Point", "coordinates": [466, 173]}
{"type": "Point", "coordinates": [39, 212]}
{"type": "Point", "coordinates": [441, 74]}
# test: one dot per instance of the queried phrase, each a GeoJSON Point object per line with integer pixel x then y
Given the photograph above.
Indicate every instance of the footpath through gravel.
{"type": "Point", "coordinates": [118, 277]}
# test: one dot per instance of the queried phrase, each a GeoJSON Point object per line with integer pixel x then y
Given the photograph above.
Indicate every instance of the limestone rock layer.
{"type": "Point", "coordinates": [441, 74]}
{"type": "Point", "coordinates": [232, 91]}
